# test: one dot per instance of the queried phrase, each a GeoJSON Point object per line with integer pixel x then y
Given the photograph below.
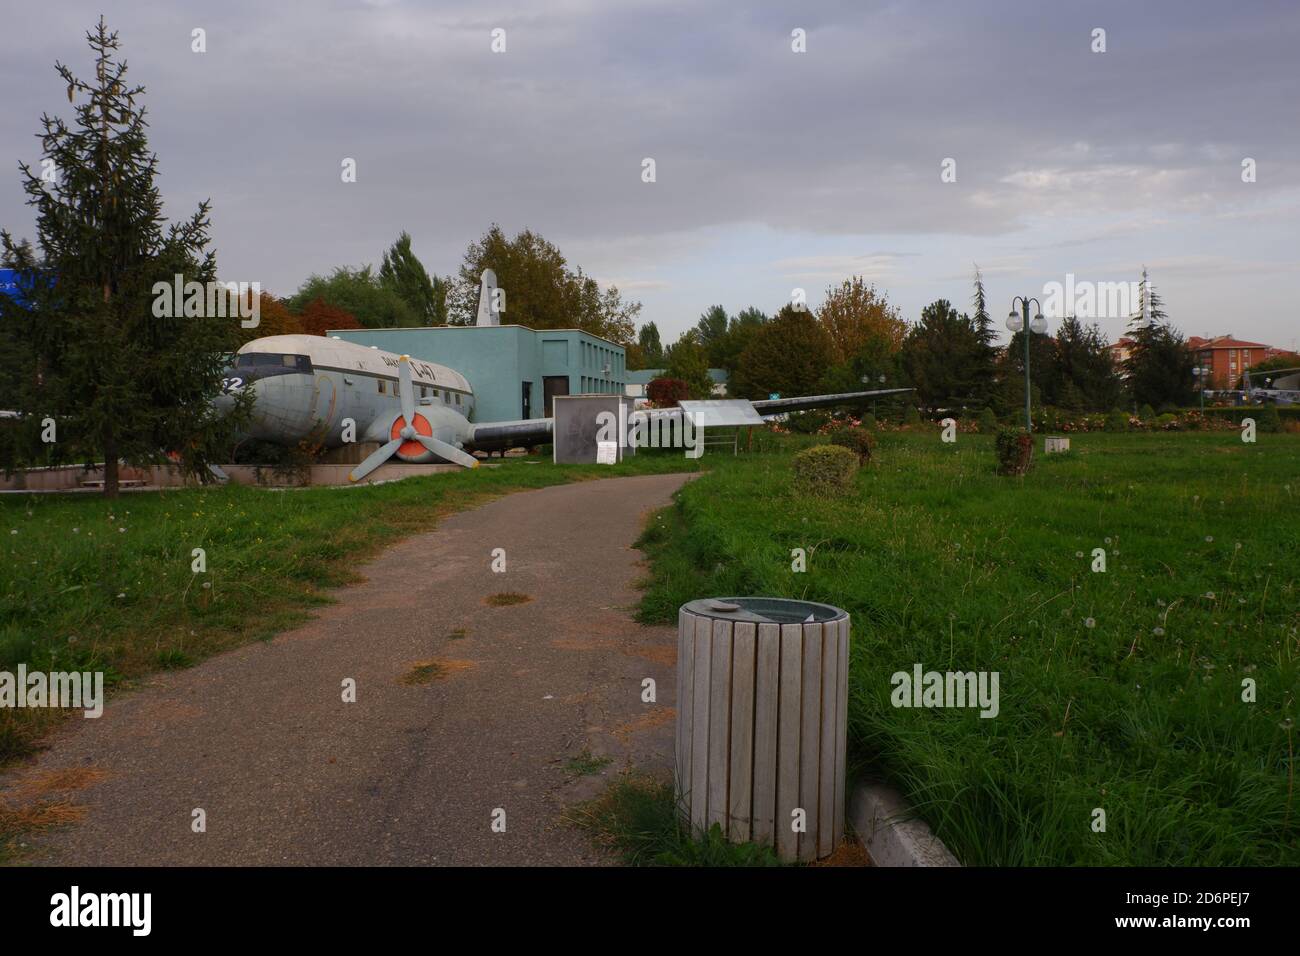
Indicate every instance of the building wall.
{"type": "Point", "coordinates": [498, 359]}
{"type": "Point", "coordinates": [1228, 363]}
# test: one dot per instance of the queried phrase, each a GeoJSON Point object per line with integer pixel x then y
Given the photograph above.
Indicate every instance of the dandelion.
{"type": "Point", "coordinates": [1089, 622]}
{"type": "Point", "coordinates": [121, 531]}
{"type": "Point", "coordinates": [1209, 538]}
{"type": "Point", "coordinates": [15, 531]}
{"type": "Point", "coordinates": [122, 595]}
{"type": "Point", "coordinates": [1158, 631]}
{"type": "Point", "coordinates": [75, 530]}
{"type": "Point", "coordinates": [207, 584]}
{"type": "Point", "coordinates": [1108, 540]}
{"type": "Point", "coordinates": [1078, 554]}
{"type": "Point", "coordinates": [1209, 595]}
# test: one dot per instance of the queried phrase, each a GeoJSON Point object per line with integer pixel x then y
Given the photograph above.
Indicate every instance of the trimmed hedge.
{"type": "Point", "coordinates": [1015, 451]}
{"type": "Point", "coordinates": [824, 470]}
{"type": "Point", "coordinates": [857, 440]}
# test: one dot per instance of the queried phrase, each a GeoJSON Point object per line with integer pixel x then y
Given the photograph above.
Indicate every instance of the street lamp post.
{"type": "Point", "coordinates": [1199, 372]}
{"type": "Point", "coordinates": [866, 380]}
{"type": "Point", "coordinates": [1016, 323]}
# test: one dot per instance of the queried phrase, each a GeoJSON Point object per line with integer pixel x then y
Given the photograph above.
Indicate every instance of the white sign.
{"type": "Point", "coordinates": [606, 452]}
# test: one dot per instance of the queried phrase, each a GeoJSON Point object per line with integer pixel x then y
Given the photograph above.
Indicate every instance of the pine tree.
{"type": "Point", "coordinates": [120, 381]}
{"type": "Point", "coordinates": [1159, 367]}
{"type": "Point", "coordinates": [981, 379]}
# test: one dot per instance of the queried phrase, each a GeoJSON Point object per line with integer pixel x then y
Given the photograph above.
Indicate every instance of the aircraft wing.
{"type": "Point", "coordinates": [778, 406]}
{"type": "Point", "coordinates": [491, 436]}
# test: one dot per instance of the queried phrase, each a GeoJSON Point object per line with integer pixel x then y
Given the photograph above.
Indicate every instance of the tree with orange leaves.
{"type": "Point", "coordinates": [318, 317]}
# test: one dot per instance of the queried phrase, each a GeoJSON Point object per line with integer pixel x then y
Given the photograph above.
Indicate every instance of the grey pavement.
{"type": "Point", "coordinates": [286, 772]}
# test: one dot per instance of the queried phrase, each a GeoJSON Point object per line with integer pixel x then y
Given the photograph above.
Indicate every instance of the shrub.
{"type": "Point", "coordinates": [1015, 451]}
{"type": "Point", "coordinates": [987, 421]}
{"type": "Point", "coordinates": [911, 416]}
{"type": "Point", "coordinates": [857, 440]}
{"type": "Point", "coordinates": [1146, 413]}
{"type": "Point", "coordinates": [1167, 421]}
{"type": "Point", "coordinates": [824, 470]}
{"type": "Point", "coordinates": [807, 423]}
{"type": "Point", "coordinates": [1117, 420]}
{"type": "Point", "coordinates": [667, 392]}
{"type": "Point", "coordinates": [869, 421]}
{"type": "Point", "coordinates": [1267, 419]}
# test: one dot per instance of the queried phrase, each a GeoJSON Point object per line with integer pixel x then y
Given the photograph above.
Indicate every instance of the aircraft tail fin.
{"type": "Point", "coordinates": [489, 312]}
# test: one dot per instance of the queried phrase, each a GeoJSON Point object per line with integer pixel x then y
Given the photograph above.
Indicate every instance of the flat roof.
{"type": "Point", "coordinates": [526, 328]}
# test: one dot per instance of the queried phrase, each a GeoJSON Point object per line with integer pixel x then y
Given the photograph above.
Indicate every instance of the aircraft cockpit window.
{"type": "Point", "coordinates": [458, 398]}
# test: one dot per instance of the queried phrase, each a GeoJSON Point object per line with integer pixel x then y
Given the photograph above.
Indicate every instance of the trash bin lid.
{"type": "Point", "coordinates": [764, 610]}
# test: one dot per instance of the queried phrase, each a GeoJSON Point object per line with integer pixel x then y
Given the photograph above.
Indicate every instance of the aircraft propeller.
{"type": "Point", "coordinates": [408, 432]}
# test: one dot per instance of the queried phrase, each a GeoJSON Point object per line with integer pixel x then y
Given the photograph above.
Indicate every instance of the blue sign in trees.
{"type": "Point", "coordinates": [12, 284]}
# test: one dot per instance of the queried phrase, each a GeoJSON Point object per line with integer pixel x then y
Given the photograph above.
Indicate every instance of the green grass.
{"type": "Point", "coordinates": [637, 818]}
{"type": "Point", "coordinates": [91, 584]}
{"type": "Point", "coordinates": [942, 562]}
{"type": "Point", "coordinates": [586, 764]}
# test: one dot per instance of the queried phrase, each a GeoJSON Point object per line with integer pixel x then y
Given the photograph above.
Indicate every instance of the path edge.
{"type": "Point", "coordinates": [892, 834]}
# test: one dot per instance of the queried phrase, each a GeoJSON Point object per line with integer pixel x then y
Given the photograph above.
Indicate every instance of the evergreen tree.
{"type": "Point", "coordinates": [711, 329]}
{"type": "Point", "coordinates": [943, 357]}
{"type": "Point", "coordinates": [1158, 371]}
{"type": "Point", "coordinates": [403, 273]}
{"type": "Point", "coordinates": [726, 351]}
{"type": "Point", "coordinates": [788, 355]}
{"type": "Point", "coordinates": [1086, 373]}
{"type": "Point", "coordinates": [652, 349]}
{"type": "Point", "coordinates": [119, 381]}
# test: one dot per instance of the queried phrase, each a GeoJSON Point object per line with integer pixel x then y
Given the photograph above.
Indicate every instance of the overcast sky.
{"type": "Point", "coordinates": [774, 169]}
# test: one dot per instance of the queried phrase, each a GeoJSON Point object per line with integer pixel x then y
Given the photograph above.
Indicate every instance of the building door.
{"type": "Point", "coordinates": [553, 385]}
{"type": "Point", "coordinates": [528, 400]}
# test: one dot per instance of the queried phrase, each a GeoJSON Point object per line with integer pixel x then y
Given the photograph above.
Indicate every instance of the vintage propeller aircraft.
{"type": "Point", "coordinates": [336, 392]}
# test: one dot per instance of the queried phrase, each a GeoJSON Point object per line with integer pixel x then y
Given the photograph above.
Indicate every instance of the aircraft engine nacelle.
{"type": "Point", "coordinates": [430, 421]}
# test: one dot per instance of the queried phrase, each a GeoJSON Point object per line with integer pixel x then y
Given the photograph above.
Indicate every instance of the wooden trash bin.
{"type": "Point", "coordinates": [762, 706]}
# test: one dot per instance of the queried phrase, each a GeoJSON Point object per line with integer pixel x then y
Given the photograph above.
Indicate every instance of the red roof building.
{"type": "Point", "coordinates": [1227, 357]}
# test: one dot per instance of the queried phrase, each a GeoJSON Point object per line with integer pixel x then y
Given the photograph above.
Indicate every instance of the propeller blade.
{"type": "Point", "coordinates": [447, 452]}
{"type": "Point", "coordinates": [376, 458]}
{"type": "Point", "coordinates": [407, 389]}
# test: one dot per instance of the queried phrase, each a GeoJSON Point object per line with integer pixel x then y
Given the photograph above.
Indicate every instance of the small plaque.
{"type": "Point", "coordinates": [606, 452]}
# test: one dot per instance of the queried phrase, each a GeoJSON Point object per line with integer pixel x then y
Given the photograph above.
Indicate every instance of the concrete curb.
{"type": "Point", "coordinates": [884, 824]}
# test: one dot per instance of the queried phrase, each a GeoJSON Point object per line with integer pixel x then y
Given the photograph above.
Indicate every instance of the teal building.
{"type": "Point", "coordinates": [515, 372]}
